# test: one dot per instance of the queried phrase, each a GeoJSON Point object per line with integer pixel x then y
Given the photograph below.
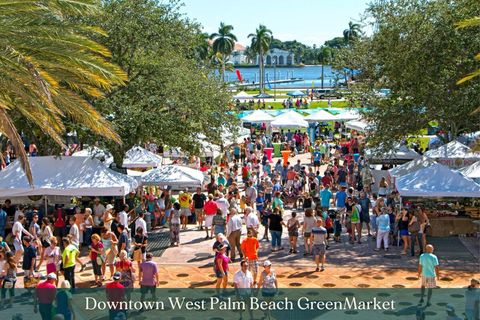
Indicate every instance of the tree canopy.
{"type": "Point", "coordinates": [417, 52]}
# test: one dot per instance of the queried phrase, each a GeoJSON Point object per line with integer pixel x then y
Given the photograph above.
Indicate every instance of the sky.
{"type": "Point", "coordinates": [307, 21]}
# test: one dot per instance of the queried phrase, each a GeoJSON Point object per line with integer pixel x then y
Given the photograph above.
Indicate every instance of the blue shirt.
{"type": "Point", "coordinates": [326, 195]}
{"type": "Point", "coordinates": [341, 197]}
{"type": "Point", "coordinates": [3, 219]}
{"type": "Point", "coordinates": [383, 222]}
{"type": "Point", "coordinates": [316, 156]}
{"type": "Point", "coordinates": [428, 261]}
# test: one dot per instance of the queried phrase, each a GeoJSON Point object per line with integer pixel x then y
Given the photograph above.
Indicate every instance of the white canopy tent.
{"type": "Point", "coordinates": [242, 95]}
{"type": "Point", "coordinates": [357, 125]}
{"type": "Point", "coordinates": [289, 119]}
{"type": "Point", "coordinates": [453, 154]}
{"type": "Point", "coordinates": [64, 176]}
{"type": "Point", "coordinates": [400, 154]}
{"type": "Point", "coordinates": [472, 171]}
{"type": "Point", "coordinates": [437, 181]}
{"type": "Point", "coordinates": [348, 115]}
{"type": "Point", "coordinates": [175, 176]}
{"type": "Point", "coordinates": [321, 116]}
{"type": "Point", "coordinates": [97, 153]}
{"type": "Point", "coordinates": [258, 116]}
{"type": "Point", "coordinates": [138, 157]}
{"type": "Point", "coordinates": [237, 135]}
{"type": "Point", "coordinates": [411, 166]}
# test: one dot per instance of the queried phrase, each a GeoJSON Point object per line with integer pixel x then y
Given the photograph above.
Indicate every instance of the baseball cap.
{"type": "Point", "coordinates": [52, 276]}
{"type": "Point", "coordinates": [267, 263]}
{"type": "Point", "coordinates": [109, 207]}
{"type": "Point", "coordinates": [117, 275]}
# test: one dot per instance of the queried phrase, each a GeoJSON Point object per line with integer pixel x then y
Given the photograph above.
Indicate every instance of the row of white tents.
{"type": "Point", "coordinates": [86, 176]}
{"type": "Point", "coordinates": [293, 119]}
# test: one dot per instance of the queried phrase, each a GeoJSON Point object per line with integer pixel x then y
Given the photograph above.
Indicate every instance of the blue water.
{"type": "Point", "coordinates": [310, 74]}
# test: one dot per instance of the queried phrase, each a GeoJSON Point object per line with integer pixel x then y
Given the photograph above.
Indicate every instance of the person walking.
{"type": "Point", "coordinates": [18, 231]}
{"type": "Point", "coordinates": [174, 220]}
{"type": "Point", "coordinates": [198, 205]}
{"type": "Point", "coordinates": [185, 200]}
{"type": "Point", "coordinates": [125, 267]}
{"type": "Point", "coordinates": [414, 228]}
{"type": "Point", "coordinates": [234, 230]}
{"type": "Point", "coordinates": [219, 223]}
{"type": "Point", "coordinates": [309, 221]}
{"type": "Point", "coordinates": [365, 205]}
{"type": "Point", "coordinates": [292, 226]}
{"type": "Point", "coordinates": [140, 242]}
{"type": "Point", "coordinates": [64, 301]}
{"type": "Point", "coordinates": [251, 220]}
{"type": "Point", "coordinates": [250, 246]}
{"type": "Point", "coordinates": [44, 296]}
{"type": "Point", "coordinates": [69, 256]}
{"type": "Point", "coordinates": [319, 240]}
{"type": "Point", "coordinates": [268, 285]}
{"type": "Point", "coordinates": [109, 240]}
{"type": "Point", "coordinates": [221, 266]}
{"type": "Point", "coordinates": [403, 222]}
{"type": "Point", "coordinates": [148, 277]}
{"type": "Point", "coordinates": [243, 283]}
{"type": "Point", "coordinates": [97, 257]}
{"type": "Point", "coordinates": [210, 210]}
{"type": "Point", "coordinates": [9, 280]}
{"type": "Point", "coordinates": [275, 225]}
{"type": "Point", "coordinates": [428, 269]}
{"type": "Point", "coordinates": [383, 224]}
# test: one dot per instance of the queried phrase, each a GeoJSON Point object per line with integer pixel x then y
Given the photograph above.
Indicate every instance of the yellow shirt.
{"type": "Point", "coordinates": [69, 255]}
{"type": "Point", "coordinates": [185, 199]}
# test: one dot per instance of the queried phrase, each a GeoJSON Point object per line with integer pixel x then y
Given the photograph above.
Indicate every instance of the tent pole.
{"type": "Point", "coordinates": [46, 205]}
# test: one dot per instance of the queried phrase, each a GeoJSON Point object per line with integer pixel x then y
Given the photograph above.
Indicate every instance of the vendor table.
{"type": "Point", "coordinates": [285, 155]}
{"type": "Point", "coordinates": [449, 226]}
{"type": "Point", "coordinates": [277, 147]}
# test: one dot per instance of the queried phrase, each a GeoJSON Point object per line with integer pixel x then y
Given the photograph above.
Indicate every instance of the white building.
{"type": "Point", "coordinates": [279, 57]}
{"type": "Point", "coordinates": [238, 55]}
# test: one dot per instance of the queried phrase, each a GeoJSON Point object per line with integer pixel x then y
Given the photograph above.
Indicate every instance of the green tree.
{"type": "Point", "coordinates": [469, 23]}
{"type": "Point", "coordinates": [51, 70]}
{"type": "Point", "coordinates": [352, 33]}
{"type": "Point", "coordinates": [170, 98]}
{"type": "Point", "coordinates": [418, 54]}
{"type": "Point", "coordinates": [261, 40]}
{"type": "Point", "coordinates": [325, 56]}
{"type": "Point", "coordinates": [223, 43]}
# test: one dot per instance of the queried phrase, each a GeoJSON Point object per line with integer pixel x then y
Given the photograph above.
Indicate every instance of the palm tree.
{"type": "Point", "coordinates": [353, 32]}
{"type": "Point", "coordinates": [223, 43]}
{"type": "Point", "coordinates": [202, 50]}
{"type": "Point", "coordinates": [325, 56]}
{"type": "Point", "coordinates": [261, 40]}
{"type": "Point", "coordinates": [473, 22]}
{"type": "Point", "coordinates": [49, 67]}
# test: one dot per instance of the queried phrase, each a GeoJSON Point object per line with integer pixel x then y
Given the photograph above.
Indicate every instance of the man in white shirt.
{"type": "Point", "coordinates": [123, 217]}
{"type": "Point", "coordinates": [251, 194]}
{"type": "Point", "coordinates": [243, 283]}
{"type": "Point", "coordinates": [141, 223]}
{"type": "Point", "coordinates": [98, 211]}
{"type": "Point", "coordinates": [223, 204]}
{"type": "Point", "coordinates": [17, 231]}
{"type": "Point", "coordinates": [251, 221]}
{"type": "Point", "coordinates": [234, 231]}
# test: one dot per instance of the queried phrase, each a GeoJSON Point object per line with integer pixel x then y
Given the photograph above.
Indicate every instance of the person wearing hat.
{"type": "Point", "coordinates": [44, 296]}
{"type": "Point", "coordinates": [221, 267]}
{"type": "Point", "coordinates": [115, 294]}
{"type": "Point", "coordinates": [108, 217]}
{"type": "Point", "coordinates": [268, 284]}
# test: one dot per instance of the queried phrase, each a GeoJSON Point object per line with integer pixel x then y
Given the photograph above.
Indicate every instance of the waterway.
{"type": "Point", "coordinates": [311, 76]}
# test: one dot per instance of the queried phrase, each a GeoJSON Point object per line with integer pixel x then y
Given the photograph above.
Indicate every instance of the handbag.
{"type": "Point", "coordinates": [101, 259]}
{"type": "Point", "coordinates": [414, 227]}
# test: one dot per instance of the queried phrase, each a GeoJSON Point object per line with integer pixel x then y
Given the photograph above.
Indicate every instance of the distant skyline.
{"type": "Point", "coordinates": [307, 21]}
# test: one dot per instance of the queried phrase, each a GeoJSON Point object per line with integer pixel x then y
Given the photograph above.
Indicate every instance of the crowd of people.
{"type": "Point", "coordinates": [330, 196]}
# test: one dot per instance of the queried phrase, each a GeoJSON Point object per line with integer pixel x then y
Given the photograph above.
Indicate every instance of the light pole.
{"type": "Point", "coordinates": [274, 78]}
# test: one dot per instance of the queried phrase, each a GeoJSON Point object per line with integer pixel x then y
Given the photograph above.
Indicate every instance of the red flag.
{"type": "Point", "coordinates": [239, 75]}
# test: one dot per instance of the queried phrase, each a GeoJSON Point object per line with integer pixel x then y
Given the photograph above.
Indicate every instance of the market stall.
{"type": "Point", "coordinates": [138, 157]}
{"type": "Point", "coordinates": [472, 171]}
{"type": "Point", "coordinates": [454, 154]}
{"type": "Point", "coordinates": [398, 155]}
{"type": "Point", "coordinates": [97, 153]}
{"type": "Point", "coordinates": [451, 200]}
{"type": "Point", "coordinates": [289, 119]}
{"type": "Point", "coordinates": [174, 176]}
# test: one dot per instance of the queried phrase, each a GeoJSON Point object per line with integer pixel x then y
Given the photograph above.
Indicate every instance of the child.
{"type": "Point", "coordinates": [10, 278]}
{"type": "Point", "coordinates": [337, 228]}
{"type": "Point", "coordinates": [174, 220]}
{"type": "Point", "coordinates": [29, 257]}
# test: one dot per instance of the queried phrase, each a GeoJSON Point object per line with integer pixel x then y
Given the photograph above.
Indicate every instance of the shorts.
{"type": "Point", "coordinates": [307, 235]}
{"type": "Point", "coordinates": [145, 289]}
{"type": "Point", "coordinates": [319, 250]}
{"type": "Point", "coordinates": [208, 220]}
{"type": "Point", "coordinates": [316, 163]}
{"type": "Point", "coordinates": [17, 244]}
{"type": "Point", "coordinates": [253, 266]}
{"type": "Point", "coordinates": [45, 244]}
{"type": "Point", "coordinates": [219, 274]}
{"type": "Point", "coordinates": [293, 234]}
{"type": "Point", "coordinates": [364, 218]}
{"type": "Point", "coordinates": [429, 282]}
{"type": "Point", "coordinates": [237, 157]}
{"type": "Point", "coordinates": [404, 232]}
{"type": "Point", "coordinates": [185, 212]}
{"type": "Point", "coordinates": [199, 213]}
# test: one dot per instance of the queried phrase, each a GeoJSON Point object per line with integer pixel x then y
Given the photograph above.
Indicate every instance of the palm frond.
{"type": "Point", "coordinates": [467, 23]}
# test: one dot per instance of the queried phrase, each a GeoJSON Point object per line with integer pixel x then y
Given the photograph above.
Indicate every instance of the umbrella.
{"type": "Point", "coordinates": [262, 96]}
{"type": "Point", "coordinates": [297, 93]}
{"type": "Point", "coordinates": [289, 119]}
{"type": "Point", "coordinates": [321, 116]}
